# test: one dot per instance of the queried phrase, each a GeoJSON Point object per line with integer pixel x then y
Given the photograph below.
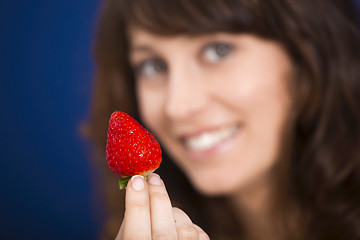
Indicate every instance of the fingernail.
{"type": "Point", "coordinates": [138, 182]}
{"type": "Point", "coordinates": [154, 179]}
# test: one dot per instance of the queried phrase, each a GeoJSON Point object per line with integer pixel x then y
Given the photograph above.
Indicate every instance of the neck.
{"type": "Point", "coordinates": [261, 209]}
{"type": "Point", "coordinates": [253, 207]}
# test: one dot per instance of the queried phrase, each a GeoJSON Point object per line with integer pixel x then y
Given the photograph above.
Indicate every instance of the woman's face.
{"type": "Point", "coordinates": [218, 104]}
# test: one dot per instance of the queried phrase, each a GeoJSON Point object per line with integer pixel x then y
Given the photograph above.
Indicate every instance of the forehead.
{"type": "Point", "coordinates": [138, 37]}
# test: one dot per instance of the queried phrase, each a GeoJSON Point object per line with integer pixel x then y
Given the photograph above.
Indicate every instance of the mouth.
{"type": "Point", "coordinates": [208, 140]}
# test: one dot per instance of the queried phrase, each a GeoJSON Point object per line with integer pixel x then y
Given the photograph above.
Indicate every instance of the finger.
{"type": "Point", "coordinates": [137, 210]}
{"type": "Point", "coordinates": [121, 232]}
{"type": "Point", "coordinates": [162, 219]}
{"type": "Point", "coordinates": [185, 228]}
{"type": "Point", "coordinates": [202, 235]}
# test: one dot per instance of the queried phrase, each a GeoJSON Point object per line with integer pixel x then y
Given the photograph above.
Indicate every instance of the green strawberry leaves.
{"type": "Point", "coordinates": [123, 182]}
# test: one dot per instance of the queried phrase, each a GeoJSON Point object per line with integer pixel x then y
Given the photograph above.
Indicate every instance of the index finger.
{"type": "Point", "coordinates": [137, 224]}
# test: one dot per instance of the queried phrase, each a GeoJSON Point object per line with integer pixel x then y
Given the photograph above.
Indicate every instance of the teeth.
{"type": "Point", "coordinates": [208, 140]}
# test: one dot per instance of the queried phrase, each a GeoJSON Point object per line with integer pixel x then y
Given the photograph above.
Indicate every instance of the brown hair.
{"type": "Point", "coordinates": [321, 36]}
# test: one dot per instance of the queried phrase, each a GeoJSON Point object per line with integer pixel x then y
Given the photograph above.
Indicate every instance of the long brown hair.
{"type": "Point", "coordinates": [321, 36]}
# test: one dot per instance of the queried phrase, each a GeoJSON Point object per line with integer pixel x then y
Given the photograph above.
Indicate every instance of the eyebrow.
{"type": "Point", "coordinates": [141, 48]}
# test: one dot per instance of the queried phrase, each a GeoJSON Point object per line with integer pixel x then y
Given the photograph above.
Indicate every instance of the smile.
{"type": "Point", "coordinates": [210, 139]}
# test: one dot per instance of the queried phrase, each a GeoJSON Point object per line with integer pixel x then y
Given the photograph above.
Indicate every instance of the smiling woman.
{"type": "Point", "coordinates": [218, 115]}
{"type": "Point", "coordinates": [249, 100]}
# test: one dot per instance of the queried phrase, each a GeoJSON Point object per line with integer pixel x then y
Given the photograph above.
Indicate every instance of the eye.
{"type": "Point", "coordinates": [214, 52]}
{"type": "Point", "coordinates": [150, 68]}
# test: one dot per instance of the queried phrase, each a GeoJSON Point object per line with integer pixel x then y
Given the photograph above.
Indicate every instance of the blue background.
{"type": "Point", "coordinates": [46, 72]}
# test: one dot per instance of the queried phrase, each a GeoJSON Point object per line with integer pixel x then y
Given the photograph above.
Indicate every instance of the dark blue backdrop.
{"type": "Point", "coordinates": [46, 74]}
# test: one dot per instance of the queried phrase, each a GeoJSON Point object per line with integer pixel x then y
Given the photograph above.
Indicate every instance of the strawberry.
{"type": "Point", "coordinates": [131, 149]}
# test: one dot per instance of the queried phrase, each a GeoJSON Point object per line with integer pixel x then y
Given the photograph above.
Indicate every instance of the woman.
{"type": "Point", "coordinates": [256, 102]}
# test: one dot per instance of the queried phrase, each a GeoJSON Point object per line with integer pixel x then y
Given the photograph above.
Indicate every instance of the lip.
{"type": "Point", "coordinates": [219, 147]}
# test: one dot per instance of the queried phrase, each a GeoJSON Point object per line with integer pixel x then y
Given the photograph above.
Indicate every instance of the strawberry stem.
{"type": "Point", "coordinates": [123, 182]}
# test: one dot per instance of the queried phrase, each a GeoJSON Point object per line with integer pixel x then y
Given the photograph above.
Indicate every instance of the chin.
{"type": "Point", "coordinates": [211, 191]}
{"type": "Point", "coordinates": [214, 187]}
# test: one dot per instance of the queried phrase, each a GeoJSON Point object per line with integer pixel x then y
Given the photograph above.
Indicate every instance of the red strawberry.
{"type": "Point", "coordinates": [130, 149]}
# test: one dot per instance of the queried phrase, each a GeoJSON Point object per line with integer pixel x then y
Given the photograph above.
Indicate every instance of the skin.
{"type": "Point", "coordinates": [149, 214]}
{"type": "Point", "coordinates": [188, 86]}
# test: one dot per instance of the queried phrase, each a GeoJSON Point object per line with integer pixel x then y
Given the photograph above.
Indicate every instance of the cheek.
{"type": "Point", "coordinates": [150, 103]}
{"type": "Point", "coordinates": [261, 104]}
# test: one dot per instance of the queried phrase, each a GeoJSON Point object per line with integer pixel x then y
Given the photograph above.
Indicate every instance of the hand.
{"type": "Point", "coordinates": [149, 214]}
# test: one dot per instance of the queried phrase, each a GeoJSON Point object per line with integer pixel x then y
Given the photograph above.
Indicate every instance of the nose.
{"type": "Point", "coordinates": [186, 94]}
